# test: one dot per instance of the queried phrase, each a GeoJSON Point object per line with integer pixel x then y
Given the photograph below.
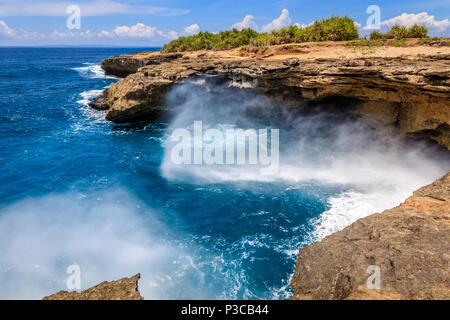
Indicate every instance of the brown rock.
{"type": "Point", "coordinates": [123, 289]}
{"type": "Point", "coordinates": [410, 243]}
{"type": "Point", "coordinates": [124, 65]}
{"type": "Point", "coordinates": [411, 92]}
{"type": "Point", "coordinates": [99, 103]}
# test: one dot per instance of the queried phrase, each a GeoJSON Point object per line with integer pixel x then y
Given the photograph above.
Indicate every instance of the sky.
{"type": "Point", "coordinates": [146, 23]}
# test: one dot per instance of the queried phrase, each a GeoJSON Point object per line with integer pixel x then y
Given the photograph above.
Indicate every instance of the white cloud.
{"type": "Point", "coordinates": [90, 8]}
{"type": "Point", "coordinates": [247, 22]}
{"type": "Point", "coordinates": [57, 34]}
{"type": "Point", "coordinates": [139, 30]}
{"type": "Point", "coordinates": [86, 34]}
{"type": "Point", "coordinates": [71, 34]}
{"type": "Point", "coordinates": [24, 34]}
{"type": "Point", "coordinates": [357, 24]}
{"type": "Point", "coordinates": [192, 29]}
{"type": "Point", "coordinates": [105, 34]}
{"type": "Point", "coordinates": [303, 25]}
{"type": "Point", "coordinates": [423, 18]}
{"type": "Point", "coordinates": [21, 34]}
{"type": "Point", "coordinates": [283, 20]}
{"type": "Point", "coordinates": [171, 35]}
{"type": "Point", "coordinates": [6, 31]}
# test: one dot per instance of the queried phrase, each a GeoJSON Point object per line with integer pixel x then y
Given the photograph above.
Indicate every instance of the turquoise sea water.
{"type": "Point", "coordinates": [77, 189]}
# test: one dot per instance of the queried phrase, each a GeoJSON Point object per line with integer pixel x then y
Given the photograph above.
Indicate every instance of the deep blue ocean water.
{"type": "Point", "coordinates": [77, 189]}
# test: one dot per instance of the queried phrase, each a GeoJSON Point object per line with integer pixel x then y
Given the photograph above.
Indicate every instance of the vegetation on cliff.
{"type": "Point", "coordinates": [400, 32]}
{"type": "Point", "coordinates": [334, 28]}
{"type": "Point", "coordinates": [329, 29]}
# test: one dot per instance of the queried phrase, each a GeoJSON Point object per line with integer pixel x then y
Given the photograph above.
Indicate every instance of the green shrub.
{"type": "Point", "coordinates": [376, 35]}
{"type": "Point", "coordinates": [417, 31]}
{"type": "Point", "coordinates": [400, 32]}
{"type": "Point", "coordinates": [330, 29]}
{"type": "Point", "coordinates": [397, 32]}
{"type": "Point", "coordinates": [209, 41]}
{"type": "Point", "coordinates": [333, 29]}
{"type": "Point", "coordinates": [262, 40]}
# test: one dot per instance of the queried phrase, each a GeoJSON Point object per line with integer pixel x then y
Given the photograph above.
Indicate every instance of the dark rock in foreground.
{"type": "Point", "coordinates": [410, 243]}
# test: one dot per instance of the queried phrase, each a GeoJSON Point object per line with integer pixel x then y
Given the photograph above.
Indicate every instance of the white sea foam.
{"type": "Point", "coordinates": [109, 235]}
{"type": "Point", "coordinates": [87, 96]}
{"type": "Point", "coordinates": [91, 116]}
{"type": "Point", "coordinates": [39, 238]}
{"type": "Point", "coordinates": [350, 206]}
{"type": "Point", "coordinates": [377, 170]}
{"type": "Point", "coordinates": [240, 84]}
{"type": "Point", "coordinates": [93, 71]}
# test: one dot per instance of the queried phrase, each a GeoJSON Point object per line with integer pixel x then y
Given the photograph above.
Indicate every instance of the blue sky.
{"type": "Point", "coordinates": [153, 23]}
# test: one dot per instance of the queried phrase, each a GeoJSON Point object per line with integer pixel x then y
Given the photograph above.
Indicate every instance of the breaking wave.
{"type": "Point", "coordinates": [93, 71]}
{"type": "Point", "coordinates": [376, 169]}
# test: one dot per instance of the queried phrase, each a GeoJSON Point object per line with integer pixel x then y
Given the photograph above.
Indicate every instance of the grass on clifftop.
{"type": "Point", "coordinates": [330, 29]}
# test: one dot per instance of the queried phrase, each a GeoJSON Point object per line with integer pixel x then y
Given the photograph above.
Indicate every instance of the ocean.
{"type": "Point", "coordinates": [78, 189]}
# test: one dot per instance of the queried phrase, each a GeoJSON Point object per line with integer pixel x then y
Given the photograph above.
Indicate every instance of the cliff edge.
{"type": "Point", "coordinates": [408, 88]}
{"type": "Point", "coordinates": [409, 245]}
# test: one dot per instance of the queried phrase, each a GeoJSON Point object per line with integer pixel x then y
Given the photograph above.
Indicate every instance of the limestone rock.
{"type": "Point", "coordinates": [124, 65]}
{"type": "Point", "coordinates": [411, 92]}
{"type": "Point", "coordinates": [123, 289]}
{"type": "Point", "coordinates": [409, 243]}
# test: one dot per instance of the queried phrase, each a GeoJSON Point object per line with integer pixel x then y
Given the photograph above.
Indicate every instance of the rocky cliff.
{"type": "Point", "coordinates": [410, 244]}
{"type": "Point", "coordinates": [123, 289]}
{"type": "Point", "coordinates": [405, 87]}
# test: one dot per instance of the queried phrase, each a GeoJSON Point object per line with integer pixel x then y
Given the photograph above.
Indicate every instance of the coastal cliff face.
{"type": "Point", "coordinates": [409, 89]}
{"type": "Point", "coordinates": [123, 289]}
{"type": "Point", "coordinates": [409, 243]}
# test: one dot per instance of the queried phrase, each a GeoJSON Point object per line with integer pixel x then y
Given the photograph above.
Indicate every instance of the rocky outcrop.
{"type": "Point", "coordinates": [123, 289]}
{"type": "Point", "coordinates": [124, 65]}
{"type": "Point", "coordinates": [409, 243]}
{"type": "Point", "coordinates": [411, 92]}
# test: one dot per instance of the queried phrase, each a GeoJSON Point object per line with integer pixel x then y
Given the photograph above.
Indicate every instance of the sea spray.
{"type": "Point", "coordinates": [217, 232]}
{"type": "Point", "coordinates": [226, 147]}
{"type": "Point", "coordinates": [377, 169]}
{"type": "Point", "coordinates": [107, 235]}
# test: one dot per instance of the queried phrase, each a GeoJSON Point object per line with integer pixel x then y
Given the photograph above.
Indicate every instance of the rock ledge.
{"type": "Point", "coordinates": [409, 243]}
{"type": "Point", "coordinates": [408, 88]}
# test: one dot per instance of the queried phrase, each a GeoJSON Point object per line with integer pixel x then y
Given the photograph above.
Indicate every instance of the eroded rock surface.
{"type": "Point", "coordinates": [123, 289]}
{"type": "Point", "coordinates": [123, 65]}
{"type": "Point", "coordinates": [411, 92]}
{"type": "Point", "coordinates": [410, 243]}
